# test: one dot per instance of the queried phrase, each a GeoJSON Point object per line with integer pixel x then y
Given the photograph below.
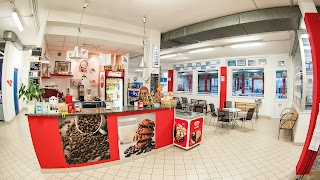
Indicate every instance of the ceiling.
{"type": "Point", "coordinates": [165, 15]}
{"type": "Point", "coordinates": [272, 43]}
{"type": "Point", "coordinates": [67, 43]}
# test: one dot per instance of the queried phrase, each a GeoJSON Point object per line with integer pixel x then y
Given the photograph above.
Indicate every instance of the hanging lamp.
{"type": "Point", "coordinates": [76, 54]}
{"type": "Point", "coordinates": [143, 64]}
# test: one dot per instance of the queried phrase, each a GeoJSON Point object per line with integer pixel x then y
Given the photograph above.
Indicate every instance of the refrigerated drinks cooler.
{"type": "Point", "coordinates": [187, 129]}
{"type": "Point", "coordinates": [114, 87]}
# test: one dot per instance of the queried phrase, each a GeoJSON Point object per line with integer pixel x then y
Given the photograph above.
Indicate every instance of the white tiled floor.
{"type": "Point", "coordinates": [255, 154]}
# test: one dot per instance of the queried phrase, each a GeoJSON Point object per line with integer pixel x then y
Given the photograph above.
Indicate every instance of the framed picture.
{"type": "Point", "coordinates": [262, 61]}
{"type": "Point", "coordinates": [281, 63]}
{"type": "Point", "coordinates": [62, 67]}
{"type": "Point", "coordinates": [232, 62]}
{"type": "Point", "coordinates": [74, 83]}
{"type": "Point", "coordinates": [252, 62]}
{"type": "Point", "coordinates": [241, 62]}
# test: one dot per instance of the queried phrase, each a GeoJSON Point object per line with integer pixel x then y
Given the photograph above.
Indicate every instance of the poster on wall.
{"type": "Point", "coordinates": [232, 62]}
{"type": "Point", "coordinates": [155, 56]}
{"type": "Point", "coordinates": [84, 138]}
{"type": "Point", "coordinates": [241, 62]}
{"type": "Point", "coordinates": [198, 64]}
{"type": "Point", "coordinates": [262, 61]}
{"type": "Point", "coordinates": [281, 63]}
{"type": "Point", "coordinates": [136, 134]}
{"type": "Point", "coordinates": [195, 131]}
{"type": "Point", "coordinates": [252, 62]}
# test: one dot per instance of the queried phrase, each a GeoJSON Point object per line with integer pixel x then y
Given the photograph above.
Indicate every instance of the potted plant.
{"type": "Point", "coordinates": [31, 94]}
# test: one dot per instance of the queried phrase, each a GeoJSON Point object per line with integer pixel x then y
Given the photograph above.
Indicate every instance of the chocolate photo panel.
{"type": "Point", "coordinates": [136, 134]}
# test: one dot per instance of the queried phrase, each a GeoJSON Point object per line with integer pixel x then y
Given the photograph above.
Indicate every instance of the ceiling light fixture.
{"type": "Point", "coordinates": [76, 54]}
{"type": "Point", "coordinates": [201, 50]}
{"type": "Point", "coordinates": [168, 56]}
{"type": "Point", "coordinates": [17, 20]}
{"type": "Point", "coordinates": [243, 45]}
{"type": "Point", "coordinates": [143, 64]}
{"type": "Point", "coordinates": [305, 36]}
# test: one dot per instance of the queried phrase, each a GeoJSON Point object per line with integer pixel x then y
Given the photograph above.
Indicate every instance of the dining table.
{"type": "Point", "coordinates": [233, 112]}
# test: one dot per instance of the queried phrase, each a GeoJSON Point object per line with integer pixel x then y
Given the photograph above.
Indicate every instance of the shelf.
{"type": "Point", "coordinates": [63, 75]}
{"type": "Point", "coordinates": [45, 77]}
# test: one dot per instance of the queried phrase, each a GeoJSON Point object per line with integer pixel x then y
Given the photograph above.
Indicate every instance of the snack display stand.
{"type": "Point", "coordinates": [187, 129]}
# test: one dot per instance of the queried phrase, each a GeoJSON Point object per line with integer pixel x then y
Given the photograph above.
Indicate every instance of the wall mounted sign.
{"type": "Point", "coordinates": [203, 67]}
{"type": "Point", "coordinates": [198, 64]}
{"type": "Point", "coordinates": [194, 67]}
{"type": "Point", "coordinates": [208, 63]}
{"type": "Point", "coordinates": [241, 62]}
{"type": "Point", "coordinates": [262, 61]}
{"type": "Point", "coordinates": [252, 62]}
{"type": "Point", "coordinates": [181, 65]}
{"type": "Point", "coordinates": [114, 74]}
{"type": "Point", "coordinates": [232, 62]}
{"type": "Point", "coordinates": [222, 78]}
{"type": "Point", "coordinates": [155, 56]}
{"type": "Point", "coordinates": [189, 64]}
{"type": "Point", "coordinates": [36, 52]}
{"type": "Point", "coordinates": [281, 63]}
{"type": "Point", "coordinates": [213, 66]}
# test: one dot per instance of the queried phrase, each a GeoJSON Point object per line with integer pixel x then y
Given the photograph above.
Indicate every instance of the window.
{"type": "Point", "coordinates": [208, 82]}
{"type": "Point", "coordinates": [281, 84]}
{"type": "Point", "coordinates": [248, 82]}
{"type": "Point", "coordinates": [184, 82]}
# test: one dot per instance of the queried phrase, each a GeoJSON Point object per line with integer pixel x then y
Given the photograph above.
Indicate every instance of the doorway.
{"type": "Point", "coordinates": [15, 91]}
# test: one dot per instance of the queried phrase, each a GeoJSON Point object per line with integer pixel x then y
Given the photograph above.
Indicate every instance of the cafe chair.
{"type": "Point", "coordinates": [247, 117]}
{"type": "Point", "coordinates": [179, 105]}
{"type": "Point", "coordinates": [212, 112]}
{"type": "Point", "coordinates": [223, 117]}
{"type": "Point", "coordinates": [185, 105]}
{"type": "Point", "coordinates": [228, 104]}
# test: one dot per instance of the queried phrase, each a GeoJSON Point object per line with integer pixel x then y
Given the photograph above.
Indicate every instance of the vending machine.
{"type": "Point", "coordinates": [114, 88]}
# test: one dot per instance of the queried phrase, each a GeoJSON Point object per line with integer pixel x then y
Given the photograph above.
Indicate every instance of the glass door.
{"type": "Point", "coordinates": [114, 91]}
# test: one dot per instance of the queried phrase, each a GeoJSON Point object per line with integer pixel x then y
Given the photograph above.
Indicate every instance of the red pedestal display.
{"type": "Point", "coordinates": [188, 129]}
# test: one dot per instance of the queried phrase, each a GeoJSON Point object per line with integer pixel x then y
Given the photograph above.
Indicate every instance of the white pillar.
{"type": "Point", "coordinates": [306, 6]}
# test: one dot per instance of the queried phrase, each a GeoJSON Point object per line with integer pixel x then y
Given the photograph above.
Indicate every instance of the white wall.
{"type": "Point", "coordinates": [13, 58]}
{"type": "Point", "coordinates": [64, 82]}
{"type": "Point", "coordinates": [270, 83]}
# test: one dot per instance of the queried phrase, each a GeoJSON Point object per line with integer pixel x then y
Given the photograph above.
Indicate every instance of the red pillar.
{"type": "Point", "coordinates": [189, 83]}
{"type": "Point", "coordinates": [284, 82]}
{"type": "Point", "coordinates": [262, 83]}
{"type": "Point", "coordinates": [206, 83]}
{"type": "Point", "coordinates": [170, 80]}
{"type": "Point", "coordinates": [223, 86]}
{"type": "Point", "coordinates": [238, 84]}
{"type": "Point", "coordinates": [243, 83]}
{"type": "Point", "coordinates": [313, 27]}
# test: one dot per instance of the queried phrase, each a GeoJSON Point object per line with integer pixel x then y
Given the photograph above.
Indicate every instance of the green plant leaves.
{"type": "Point", "coordinates": [30, 93]}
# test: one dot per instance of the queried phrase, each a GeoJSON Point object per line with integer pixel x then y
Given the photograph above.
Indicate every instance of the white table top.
{"type": "Point", "coordinates": [232, 109]}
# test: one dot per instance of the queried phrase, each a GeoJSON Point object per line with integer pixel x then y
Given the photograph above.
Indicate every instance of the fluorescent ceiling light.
{"type": "Point", "coordinates": [17, 20]}
{"type": "Point", "coordinates": [305, 35]}
{"type": "Point", "coordinates": [168, 56]}
{"type": "Point", "coordinates": [242, 45]}
{"type": "Point", "coordinates": [2, 53]}
{"type": "Point", "coordinates": [201, 50]}
{"type": "Point", "coordinates": [138, 70]}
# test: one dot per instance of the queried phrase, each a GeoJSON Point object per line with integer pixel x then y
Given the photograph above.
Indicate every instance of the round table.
{"type": "Point", "coordinates": [232, 113]}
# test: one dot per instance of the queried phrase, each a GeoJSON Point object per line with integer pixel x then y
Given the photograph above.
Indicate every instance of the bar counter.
{"type": "Point", "coordinates": [96, 137]}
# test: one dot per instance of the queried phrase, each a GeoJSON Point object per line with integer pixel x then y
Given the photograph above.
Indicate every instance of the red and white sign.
{"type": "Point", "coordinates": [114, 74]}
{"type": "Point", "coordinates": [195, 131]}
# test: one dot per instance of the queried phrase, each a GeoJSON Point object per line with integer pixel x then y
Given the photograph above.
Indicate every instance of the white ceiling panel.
{"type": "Point", "coordinates": [53, 38]}
{"type": "Point", "coordinates": [54, 48]}
{"type": "Point", "coordinates": [74, 39]}
{"type": "Point", "coordinates": [55, 43]}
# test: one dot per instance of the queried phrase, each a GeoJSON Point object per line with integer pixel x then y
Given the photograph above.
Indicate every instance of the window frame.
{"type": "Point", "coordinates": [208, 93]}
{"type": "Point", "coordinates": [177, 84]}
{"type": "Point", "coordinates": [248, 68]}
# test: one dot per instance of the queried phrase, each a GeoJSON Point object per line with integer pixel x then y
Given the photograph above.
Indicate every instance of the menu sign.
{"type": "Point", "coordinates": [155, 55]}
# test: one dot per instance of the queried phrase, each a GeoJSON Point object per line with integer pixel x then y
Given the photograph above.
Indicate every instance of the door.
{"type": "Point", "coordinates": [15, 91]}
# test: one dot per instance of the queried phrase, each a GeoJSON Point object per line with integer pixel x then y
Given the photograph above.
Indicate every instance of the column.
{"type": "Point", "coordinates": [312, 22]}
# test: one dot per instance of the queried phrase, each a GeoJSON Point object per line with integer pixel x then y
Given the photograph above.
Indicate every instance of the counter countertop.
{"type": "Point", "coordinates": [90, 111]}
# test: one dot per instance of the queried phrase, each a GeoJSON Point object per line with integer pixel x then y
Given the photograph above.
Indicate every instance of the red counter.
{"type": "Point", "coordinates": [51, 136]}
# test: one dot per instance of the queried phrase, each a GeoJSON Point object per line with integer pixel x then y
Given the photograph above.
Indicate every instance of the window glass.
{"type": "Point", "coordinates": [184, 82]}
{"type": "Point", "coordinates": [208, 82]}
{"type": "Point", "coordinates": [248, 82]}
{"type": "Point", "coordinates": [281, 84]}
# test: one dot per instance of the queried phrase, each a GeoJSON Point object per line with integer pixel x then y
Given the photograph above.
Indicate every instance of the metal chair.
{"type": "Point", "coordinates": [228, 104]}
{"type": "Point", "coordinates": [247, 117]}
{"type": "Point", "coordinates": [185, 105]}
{"type": "Point", "coordinates": [223, 116]}
{"type": "Point", "coordinates": [288, 120]}
{"type": "Point", "coordinates": [212, 112]}
{"type": "Point", "coordinates": [179, 105]}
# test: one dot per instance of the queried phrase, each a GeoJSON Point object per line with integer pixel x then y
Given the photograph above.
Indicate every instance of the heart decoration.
{"type": "Point", "coordinates": [9, 82]}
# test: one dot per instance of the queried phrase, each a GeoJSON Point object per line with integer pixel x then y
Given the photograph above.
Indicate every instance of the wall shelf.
{"type": "Point", "coordinates": [63, 75]}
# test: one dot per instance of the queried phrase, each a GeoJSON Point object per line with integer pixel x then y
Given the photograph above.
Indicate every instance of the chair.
{"type": "Point", "coordinates": [247, 117]}
{"type": "Point", "coordinates": [288, 120]}
{"type": "Point", "coordinates": [185, 105]}
{"type": "Point", "coordinates": [223, 116]}
{"type": "Point", "coordinates": [228, 104]}
{"type": "Point", "coordinates": [179, 105]}
{"type": "Point", "coordinates": [212, 112]}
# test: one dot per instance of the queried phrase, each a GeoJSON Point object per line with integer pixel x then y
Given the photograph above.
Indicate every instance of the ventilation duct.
{"type": "Point", "coordinates": [12, 37]}
{"type": "Point", "coordinates": [251, 22]}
